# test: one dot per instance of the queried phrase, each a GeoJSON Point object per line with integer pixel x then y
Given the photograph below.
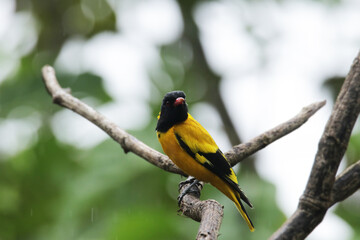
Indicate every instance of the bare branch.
{"type": "Point", "coordinates": [209, 212]}
{"type": "Point", "coordinates": [317, 197]}
{"type": "Point", "coordinates": [346, 183]}
{"type": "Point", "coordinates": [63, 98]}
{"type": "Point", "coordinates": [333, 143]}
{"type": "Point", "coordinates": [127, 141]}
{"type": "Point", "coordinates": [244, 150]}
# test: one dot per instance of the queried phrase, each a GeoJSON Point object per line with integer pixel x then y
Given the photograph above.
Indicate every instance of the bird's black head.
{"type": "Point", "coordinates": [173, 110]}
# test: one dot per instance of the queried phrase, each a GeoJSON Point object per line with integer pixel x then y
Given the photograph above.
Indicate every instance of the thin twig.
{"type": "Point", "coordinates": [244, 150]}
{"type": "Point", "coordinates": [127, 141]}
{"type": "Point", "coordinates": [317, 197]}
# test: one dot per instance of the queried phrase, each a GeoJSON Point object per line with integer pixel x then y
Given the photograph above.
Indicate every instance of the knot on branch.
{"type": "Point", "coordinates": [333, 141]}
{"type": "Point", "coordinates": [58, 95]}
{"type": "Point", "coordinates": [310, 204]}
{"type": "Point", "coordinates": [124, 145]}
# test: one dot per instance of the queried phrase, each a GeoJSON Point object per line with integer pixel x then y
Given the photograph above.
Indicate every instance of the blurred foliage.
{"type": "Point", "coordinates": [52, 190]}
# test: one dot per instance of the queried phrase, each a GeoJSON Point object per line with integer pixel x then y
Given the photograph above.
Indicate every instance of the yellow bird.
{"type": "Point", "coordinates": [195, 152]}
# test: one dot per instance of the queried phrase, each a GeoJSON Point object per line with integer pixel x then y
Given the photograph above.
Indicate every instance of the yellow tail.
{"type": "Point", "coordinates": [235, 197]}
{"type": "Point", "coordinates": [243, 213]}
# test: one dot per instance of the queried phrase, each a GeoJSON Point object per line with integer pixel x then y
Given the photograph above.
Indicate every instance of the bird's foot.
{"type": "Point", "coordinates": [188, 189]}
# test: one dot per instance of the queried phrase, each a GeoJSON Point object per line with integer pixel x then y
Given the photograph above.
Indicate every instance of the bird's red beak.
{"type": "Point", "coordinates": [179, 101]}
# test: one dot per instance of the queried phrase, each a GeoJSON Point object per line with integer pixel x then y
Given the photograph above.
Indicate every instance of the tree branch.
{"type": "Point", "coordinates": [346, 183]}
{"type": "Point", "coordinates": [317, 197]}
{"type": "Point", "coordinates": [210, 212]}
{"type": "Point", "coordinates": [244, 150]}
{"type": "Point", "coordinates": [127, 141]}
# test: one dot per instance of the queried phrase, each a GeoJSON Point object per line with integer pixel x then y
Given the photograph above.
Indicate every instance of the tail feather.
{"type": "Point", "coordinates": [243, 213]}
{"type": "Point", "coordinates": [235, 195]}
{"type": "Point", "coordinates": [244, 198]}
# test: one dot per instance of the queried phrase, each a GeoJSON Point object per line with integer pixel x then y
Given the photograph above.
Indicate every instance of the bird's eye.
{"type": "Point", "coordinates": [167, 103]}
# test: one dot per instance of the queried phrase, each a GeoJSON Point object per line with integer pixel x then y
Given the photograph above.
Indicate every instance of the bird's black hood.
{"type": "Point", "coordinates": [173, 110]}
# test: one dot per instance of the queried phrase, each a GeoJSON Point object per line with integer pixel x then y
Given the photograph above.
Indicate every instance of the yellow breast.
{"type": "Point", "coordinates": [181, 158]}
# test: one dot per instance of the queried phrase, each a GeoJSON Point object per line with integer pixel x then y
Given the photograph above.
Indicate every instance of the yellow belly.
{"type": "Point", "coordinates": [182, 159]}
{"type": "Point", "coordinates": [193, 168]}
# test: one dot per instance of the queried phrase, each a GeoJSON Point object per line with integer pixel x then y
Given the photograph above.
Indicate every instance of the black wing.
{"type": "Point", "coordinates": [216, 163]}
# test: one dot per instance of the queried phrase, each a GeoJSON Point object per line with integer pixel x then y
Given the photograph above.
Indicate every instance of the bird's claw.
{"type": "Point", "coordinates": [189, 189]}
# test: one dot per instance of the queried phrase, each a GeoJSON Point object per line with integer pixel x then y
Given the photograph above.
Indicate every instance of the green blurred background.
{"type": "Point", "coordinates": [62, 178]}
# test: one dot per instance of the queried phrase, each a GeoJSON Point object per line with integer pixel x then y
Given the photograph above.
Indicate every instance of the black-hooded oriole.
{"type": "Point", "coordinates": [195, 152]}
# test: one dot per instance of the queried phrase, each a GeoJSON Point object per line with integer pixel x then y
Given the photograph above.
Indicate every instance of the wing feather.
{"type": "Point", "coordinates": [198, 143]}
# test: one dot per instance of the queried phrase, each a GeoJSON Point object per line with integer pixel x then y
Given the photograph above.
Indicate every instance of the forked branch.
{"type": "Point", "coordinates": [209, 212]}
{"type": "Point", "coordinates": [129, 143]}
{"type": "Point", "coordinates": [323, 189]}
